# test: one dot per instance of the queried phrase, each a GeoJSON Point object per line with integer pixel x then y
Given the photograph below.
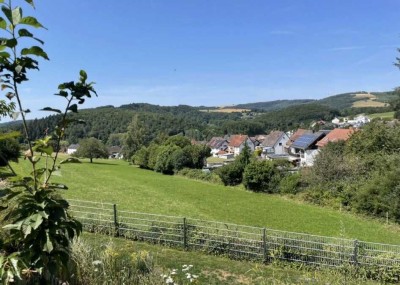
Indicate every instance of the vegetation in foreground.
{"type": "Point", "coordinates": [99, 258]}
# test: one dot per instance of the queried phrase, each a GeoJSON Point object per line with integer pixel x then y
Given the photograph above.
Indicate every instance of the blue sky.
{"type": "Point", "coordinates": [219, 52]}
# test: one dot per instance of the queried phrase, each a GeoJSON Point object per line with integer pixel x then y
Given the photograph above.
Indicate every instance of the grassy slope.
{"type": "Point", "coordinates": [387, 115]}
{"type": "Point", "coordinates": [140, 190]}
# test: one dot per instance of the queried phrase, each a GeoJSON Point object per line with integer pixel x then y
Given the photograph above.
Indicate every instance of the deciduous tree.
{"type": "Point", "coordinates": [91, 148]}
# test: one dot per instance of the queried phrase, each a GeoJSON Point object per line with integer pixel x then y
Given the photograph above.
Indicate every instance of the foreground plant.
{"type": "Point", "coordinates": [36, 240]}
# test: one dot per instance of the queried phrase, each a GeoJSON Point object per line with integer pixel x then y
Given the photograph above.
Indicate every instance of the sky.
{"type": "Point", "coordinates": [214, 53]}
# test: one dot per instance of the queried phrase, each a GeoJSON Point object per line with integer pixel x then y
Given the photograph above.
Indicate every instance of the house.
{"type": "Point", "coordinates": [359, 121]}
{"type": "Point", "coordinates": [274, 143]}
{"type": "Point", "coordinates": [217, 144]}
{"type": "Point", "coordinates": [114, 152]}
{"type": "Point", "coordinates": [237, 143]}
{"type": "Point", "coordinates": [72, 148]}
{"type": "Point", "coordinates": [336, 121]}
{"type": "Point", "coordinates": [334, 136]}
{"type": "Point", "coordinates": [304, 147]}
{"type": "Point", "coordinates": [294, 137]}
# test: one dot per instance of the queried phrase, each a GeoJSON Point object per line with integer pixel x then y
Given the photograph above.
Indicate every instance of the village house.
{"type": "Point", "coordinates": [218, 146]}
{"type": "Point", "coordinates": [335, 136]}
{"type": "Point", "coordinates": [274, 144]}
{"type": "Point", "coordinates": [294, 137]}
{"type": "Point", "coordinates": [305, 148]}
{"type": "Point", "coordinates": [72, 148]}
{"type": "Point", "coordinates": [115, 152]}
{"type": "Point", "coordinates": [237, 143]}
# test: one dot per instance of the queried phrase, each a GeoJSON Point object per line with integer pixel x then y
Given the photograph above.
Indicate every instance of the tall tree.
{"type": "Point", "coordinates": [91, 148]}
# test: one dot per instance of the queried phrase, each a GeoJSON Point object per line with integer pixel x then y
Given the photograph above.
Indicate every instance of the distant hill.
{"type": "Point", "coordinates": [202, 123]}
{"type": "Point", "coordinates": [272, 105]}
{"type": "Point", "coordinates": [358, 99]}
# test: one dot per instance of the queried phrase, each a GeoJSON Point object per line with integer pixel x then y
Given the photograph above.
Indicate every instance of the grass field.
{"type": "Point", "coordinates": [140, 190]}
{"type": "Point", "coordinates": [387, 115]}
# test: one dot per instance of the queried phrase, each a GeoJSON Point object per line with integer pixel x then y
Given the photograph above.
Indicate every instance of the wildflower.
{"type": "Point", "coordinates": [97, 262]}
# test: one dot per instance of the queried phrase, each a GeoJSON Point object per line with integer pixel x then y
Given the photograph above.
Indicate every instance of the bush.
{"type": "Point", "coordinates": [199, 174]}
{"type": "Point", "coordinates": [9, 150]}
{"type": "Point", "coordinates": [141, 157]}
{"type": "Point", "coordinates": [290, 184]}
{"type": "Point", "coordinates": [261, 176]}
{"type": "Point", "coordinates": [231, 174]}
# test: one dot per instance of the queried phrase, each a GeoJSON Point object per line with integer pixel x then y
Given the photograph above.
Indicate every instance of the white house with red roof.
{"type": "Point", "coordinates": [237, 143]}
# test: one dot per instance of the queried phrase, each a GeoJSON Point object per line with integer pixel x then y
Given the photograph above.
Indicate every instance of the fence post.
{"type": "Point", "coordinates": [264, 237]}
{"type": "Point", "coordinates": [116, 226]}
{"type": "Point", "coordinates": [185, 245]}
{"type": "Point", "coordinates": [355, 253]}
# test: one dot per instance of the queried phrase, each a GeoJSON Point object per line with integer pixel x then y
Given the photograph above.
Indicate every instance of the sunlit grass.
{"type": "Point", "coordinates": [141, 190]}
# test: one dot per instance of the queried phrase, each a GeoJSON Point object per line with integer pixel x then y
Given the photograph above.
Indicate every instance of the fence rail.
{"type": "Point", "coordinates": [235, 241]}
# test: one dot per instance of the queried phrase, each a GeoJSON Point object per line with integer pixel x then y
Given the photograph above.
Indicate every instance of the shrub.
{"type": "Point", "coordinates": [231, 174]}
{"type": "Point", "coordinates": [199, 174]}
{"type": "Point", "coordinates": [141, 157]}
{"type": "Point", "coordinates": [261, 176]}
{"type": "Point", "coordinates": [9, 150]}
{"type": "Point", "coordinates": [290, 184]}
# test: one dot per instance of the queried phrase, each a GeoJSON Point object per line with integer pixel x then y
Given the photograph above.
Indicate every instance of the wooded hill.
{"type": "Point", "coordinates": [200, 123]}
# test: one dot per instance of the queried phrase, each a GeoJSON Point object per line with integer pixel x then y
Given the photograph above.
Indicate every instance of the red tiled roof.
{"type": "Point", "coordinates": [237, 140]}
{"type": "Point", "coordinates": [335, 135]}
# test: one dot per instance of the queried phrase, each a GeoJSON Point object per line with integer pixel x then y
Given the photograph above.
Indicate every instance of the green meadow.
{"type": "Point", "coordinates": [387, 115]}
{"type": "Point", "coordinates": [135, 189]}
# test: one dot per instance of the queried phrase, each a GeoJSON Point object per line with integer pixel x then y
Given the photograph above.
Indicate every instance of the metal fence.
{"type": "Point", "coordinates": [235, 241]}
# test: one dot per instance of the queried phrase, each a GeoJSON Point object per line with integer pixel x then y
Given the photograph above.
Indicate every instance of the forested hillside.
{"type": "Point", "coordinates": [272, 105]}
{"type": "Point", "coordinates": [112, 124]}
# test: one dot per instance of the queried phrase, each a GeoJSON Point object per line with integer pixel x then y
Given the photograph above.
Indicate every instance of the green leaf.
{"type": "Point", "coordinates": [7, 12]}
{"type": "Point", "coordinates": [35, 50]}
{"type": "Point", "coordinates": [46, 149]}
{"type": "Point", "coordinates": [70, 160]}
{"type": "Point", "coordinates": [73, 108]}
{"type": "Point", "coordinates": [31, 21]}
{"type": "Point", "coordinates": [30, 2]}
{"type": "Point", "coordinates": [25, 33]}
{"type": "Point", "coordinates": [4, 54]}
{"type": "Point", "coordinates": [51, 110]}
{"type": "Point", "coordinates": [8, 42]}
{"type": "Point", "coordinates": [16, 15]}
{"type": "Point", "coordinates": [48, 247]}
{"type": "Point", "coordinates": [58, 186]}
{"type": "Point", "coordinates": [14, 261]}
{"type": "Point", "coordinates": [11, 95]}
{"type": "Point", "coordinates": [3, 24]}
{"type": "Point", "coordinates": [37, 220]}
{"type": "Point", "coordinates": [5, 86]}
{"type": "Point", "coordinates": [83, 75]}
{"type": "Point", "coordinates": [62, 93]}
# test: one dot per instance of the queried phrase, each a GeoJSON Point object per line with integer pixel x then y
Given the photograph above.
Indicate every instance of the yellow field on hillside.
{"type": "Point", "coordinates": [367, 100]}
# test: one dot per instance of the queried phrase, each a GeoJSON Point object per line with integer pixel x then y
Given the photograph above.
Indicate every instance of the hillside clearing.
{"type": "Point", "coordinates": [367, 100]}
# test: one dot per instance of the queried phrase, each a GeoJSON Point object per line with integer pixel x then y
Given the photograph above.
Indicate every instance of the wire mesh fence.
{"type": "Point", "coordinates": [235, 241]}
